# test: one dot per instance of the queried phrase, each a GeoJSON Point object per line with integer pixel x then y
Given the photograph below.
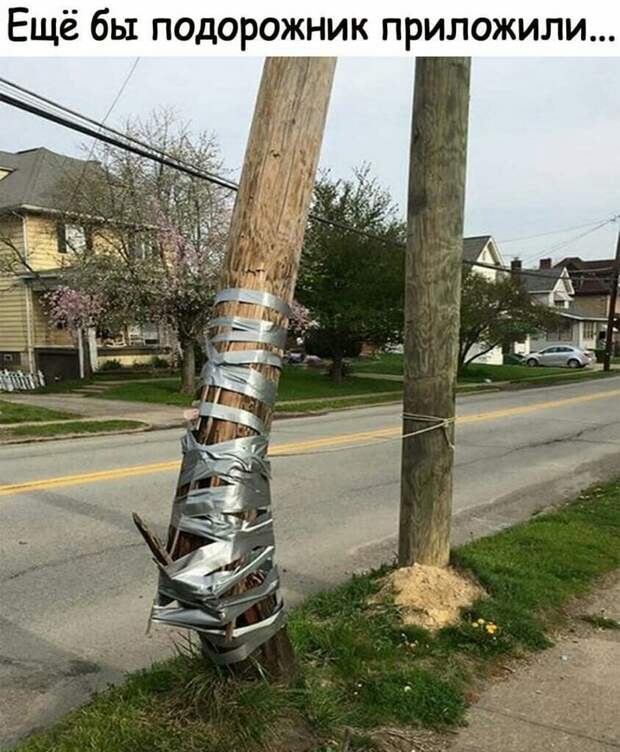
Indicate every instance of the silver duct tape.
{"type": "Point", "coordinates": [245, 357]}
{"type": "Point", "coordinates": [254, 297]}
{"type": "Point", "coordinates": [218, 500]}
{"type": "Point", "coordinates": [215, 527]}
{"type": "Point", "coordinates": [201, 581]}
{"type": "Point", "coordinates": [246, 381]}
{"type": "Point", "coordinates": [254, 326]}
{"type": "Point", "coordinates": [206, 616]}
{"type": "Point", "coordinates": [236, 461]}
{"type": "Point", "coordinates": [232, 415]}
{"type": "Point", "coordinates": [265, 338]}
{"type": "Point", "coordinates": [197, 591]}
{"type": "Point", "coordinates": [248, 640]}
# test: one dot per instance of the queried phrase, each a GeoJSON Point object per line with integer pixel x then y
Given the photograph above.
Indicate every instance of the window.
{"type": "Point", "coordinates": [140, 244]}
{"type": "Point", "coordinates": [74, 237]}
{"type": "Point", "coordinates": [589, 329]}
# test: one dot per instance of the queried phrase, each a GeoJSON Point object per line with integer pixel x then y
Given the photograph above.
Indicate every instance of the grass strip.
{"type": "Point", "coordinates": [393, 363]}
{"type": "Point", "coordinates": [338, 404]}
{"type": "Point", "coordinates": [361, 669]}
{"type": "Point", "coordinates": [70, 427]}
{"type": "Point", "coordinates": [295, 384]}
{"type": "Point", "coordinates": [14, 412]}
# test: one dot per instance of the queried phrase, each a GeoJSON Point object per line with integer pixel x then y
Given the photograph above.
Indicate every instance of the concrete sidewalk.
{"type": "Point", "coordinates": [156, 415]}
{"type": "Point", "coordinates": [566, 698]}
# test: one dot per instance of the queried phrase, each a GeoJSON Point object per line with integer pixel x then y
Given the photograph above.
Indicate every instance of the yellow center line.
{"type": "Point", "coordinates": [293, 447]}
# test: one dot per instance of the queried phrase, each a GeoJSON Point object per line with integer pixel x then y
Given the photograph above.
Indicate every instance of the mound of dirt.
{"type": "Point", "coordinates": [429, 597]}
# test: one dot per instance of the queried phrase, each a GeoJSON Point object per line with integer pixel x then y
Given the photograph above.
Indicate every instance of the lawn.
{"type": "Point", "coordinates": [13, 412]}
{"type": "Point", "coordinates": [68, 427]}
{"type": "Point", "coordinates": [392, 363]}
{"type": "Point", "coordinates": [361, 670]}
{"type": "Point", "coordinates": [295, 384]}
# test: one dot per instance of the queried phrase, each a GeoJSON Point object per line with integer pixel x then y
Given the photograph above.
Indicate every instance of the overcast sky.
{"type": "Point", "coordinates": [543, 152]}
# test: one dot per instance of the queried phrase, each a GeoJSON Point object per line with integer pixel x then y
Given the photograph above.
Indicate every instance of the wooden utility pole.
{"type": "Point", "coordinates": [265, 243]}
{"type": "Point", "coordinates": [611, 314]}
{"type": "Point", "coordinates": [432, 303]}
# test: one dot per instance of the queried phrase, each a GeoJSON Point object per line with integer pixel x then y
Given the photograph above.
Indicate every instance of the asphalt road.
{"type": "Point", "coordinates": [76, 581]}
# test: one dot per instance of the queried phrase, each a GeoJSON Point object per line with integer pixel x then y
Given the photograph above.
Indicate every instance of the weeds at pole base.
{"type": "Point", "coordinates": [361, 669]}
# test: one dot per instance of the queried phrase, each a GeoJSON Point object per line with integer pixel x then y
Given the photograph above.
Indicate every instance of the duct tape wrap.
{"type": "Point", "coordinates": [198, 591]}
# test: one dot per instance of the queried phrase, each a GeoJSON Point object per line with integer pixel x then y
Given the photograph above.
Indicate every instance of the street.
{"type": "Point", "coordinates": [77, 580]}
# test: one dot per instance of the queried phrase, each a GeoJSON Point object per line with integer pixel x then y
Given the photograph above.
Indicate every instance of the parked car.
{"type": "Point", "coordinates": [561, 356]}
{"type": "Point", "coordinates": [295, 357]}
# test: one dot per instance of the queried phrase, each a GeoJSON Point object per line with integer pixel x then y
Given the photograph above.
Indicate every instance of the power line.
{"type": "Point", "coordinates": [101, 132]}
{"type": "Point", "coordinates": [563, 243]}
{"type": "Point", "coordinates": [551, 232]}
{"type": "Point", "coordinates": [109, 111]}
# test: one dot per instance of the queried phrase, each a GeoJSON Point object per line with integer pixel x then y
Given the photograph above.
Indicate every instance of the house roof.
{"type": "Point", "coordinates": [34, 176]}
{"type": "Point", "coordinates": [473, 247]}
{"type": "Point", "coordinates": [595, 280]}
{"type": "Point", "coordinates": [574, 313]}
{"type": "Point", "coordinates": [541, 280]}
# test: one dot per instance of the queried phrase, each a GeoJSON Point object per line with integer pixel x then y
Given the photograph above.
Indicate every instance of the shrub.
{"type": "Point", "coordinates": [111, 365]}
{"type": "Point", "coordinates": [157, 362]}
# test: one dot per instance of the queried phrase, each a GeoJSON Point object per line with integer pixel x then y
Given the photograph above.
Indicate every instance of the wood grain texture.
{"type": "Point", "coordinates": [265, 243]}
{"type": "Point", "coordinates": [432, 302]}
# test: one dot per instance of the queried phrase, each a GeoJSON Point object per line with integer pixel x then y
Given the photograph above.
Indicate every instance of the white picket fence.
{"type": "Point", "coordinates": [18, 381]}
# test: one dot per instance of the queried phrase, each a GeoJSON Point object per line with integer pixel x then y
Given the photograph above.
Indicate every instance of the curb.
{"type": "Point", "coordinates": [93, 434]}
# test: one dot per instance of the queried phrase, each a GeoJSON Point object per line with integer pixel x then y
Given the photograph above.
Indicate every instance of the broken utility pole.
{"type": "Point", "coordinates": [612, 317]}
{"type": "Point", "coordinates": [432, 302]}
{"type": "Point", "coordinates": [223, 581]}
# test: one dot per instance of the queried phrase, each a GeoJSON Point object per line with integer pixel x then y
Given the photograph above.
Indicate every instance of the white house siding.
{"type": "Point", "coordinates": [494, 357]}
{"type": "Point", "coordinates": [578, 333]}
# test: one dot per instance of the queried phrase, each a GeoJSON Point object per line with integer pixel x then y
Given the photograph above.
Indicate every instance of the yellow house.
{"type": "Point", "coordinates": [33, 251]}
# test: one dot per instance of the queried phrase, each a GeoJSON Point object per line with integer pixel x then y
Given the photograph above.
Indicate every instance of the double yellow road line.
{"type": "Point", "coordinates": [299, 447]}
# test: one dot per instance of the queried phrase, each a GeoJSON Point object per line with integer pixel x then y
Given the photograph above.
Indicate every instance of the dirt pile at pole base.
{"type": "Point", "coordinates": [429, 597]}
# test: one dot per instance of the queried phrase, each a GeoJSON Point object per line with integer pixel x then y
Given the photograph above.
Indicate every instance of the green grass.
{"type": "Point", "coordinates": [62, 387]}
{"type": "Point", "coordinates": [340, 404]}
{"type": "Point", "coordinates": [360, 668]}
{"type": "Point", "coordinates": [389, 363]}
{"type": "Point", "coordinates": [295, 384]}
{"type": "Point", "coordinates": [13, 412]}
{"type": "Point", "coordinates": [392, 363]}
{"type": "Point", "coordinates": [70, 427]}
{"type": "Point", "coordinates": [480, 372]}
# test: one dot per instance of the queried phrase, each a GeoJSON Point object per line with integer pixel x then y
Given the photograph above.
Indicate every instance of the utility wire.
{"type": "Point", "coordinates": [101, 132]}
{"type": "Point", "coordinates": [109, 111]}
{"type": "Point", "coordinates": [563, 243]}
{"type": "Point", "coordinates": [551, 232]}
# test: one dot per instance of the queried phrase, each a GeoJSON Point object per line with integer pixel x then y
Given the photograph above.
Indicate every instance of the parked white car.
{"type": "Point", "coordinates": [560, 356]}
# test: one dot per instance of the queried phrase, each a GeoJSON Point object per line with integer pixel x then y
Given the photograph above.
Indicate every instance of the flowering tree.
{"type": "Point", "coordinates": [156, 235]}
{"type": "Point", "coordinates": [74, 309]}
{"type": "Point", "coordinates": [300, 321]}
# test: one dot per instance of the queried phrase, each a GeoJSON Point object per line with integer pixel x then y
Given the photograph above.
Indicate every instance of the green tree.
{"type": "Point", "coordinates": [497, 312]}
{"type": "Point", "coordinates": [352, 283]}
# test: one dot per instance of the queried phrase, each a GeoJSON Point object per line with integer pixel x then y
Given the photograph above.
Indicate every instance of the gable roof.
{"type": "Point", "coordinates": [541, 280]}
{"type": "Point", "coordinates": [473, 247]}
{"type": "Point", "coordinates": [596, 279]}
{"type": "Point", "coordinates": [34, 177]}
